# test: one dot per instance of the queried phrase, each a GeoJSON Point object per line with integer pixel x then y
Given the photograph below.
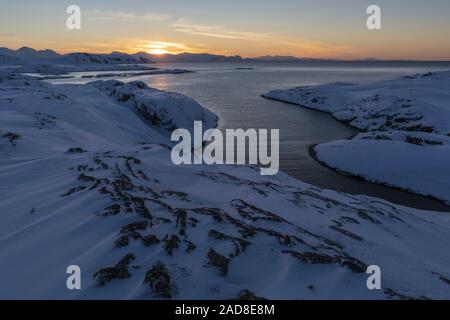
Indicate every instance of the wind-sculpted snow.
{"type": "Point", "coordinates": [97, 115]}
{"type": "Point", "coordinates": [408, 121]}
{"type": "Point", "coordinates": [164, 109]}
{"type": "Point", "coordinates": [87, 180]}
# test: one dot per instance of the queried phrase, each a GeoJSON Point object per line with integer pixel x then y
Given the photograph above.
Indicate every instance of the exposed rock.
{"type": "Point", "coordinates": [171, 243]}
{"type": "Point", "coordinates": [119, 271]}
{"type": "Point", "coordinates": [138, 225]}
{"type": "Point", "coordinates": [122, 241]}
{"type": "Point", "coordinates": [248, 295]}
{"type": "Point", "coordinates": [76, 150]}
{"type": "Point", "coordinates": [217, 260]}
{"type": "Point", "coordinates": [150, 240]}
{"type": "Point", "coordinates": [311, 257]}
{"type": "Point", "coordinates": [158, 278]}
{"type": "Point", "coordinates": [12, 137]}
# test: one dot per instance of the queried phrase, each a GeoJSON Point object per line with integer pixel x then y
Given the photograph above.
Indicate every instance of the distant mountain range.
{"type": "Point", "coordinates": [206, 57]}
{"type": "Point", "coordinates": [29, 56]}
{"type": "Point", "coordinates": [26, 55]}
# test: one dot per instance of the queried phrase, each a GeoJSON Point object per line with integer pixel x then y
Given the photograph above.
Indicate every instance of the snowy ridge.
{"type": "Point", "coordinates": [408, 121]}
{"type": "Point", "coordinates": [26, 55]}
{"type": "Point", "coordinates": [86, 179]}
{"type": "Point", "coordinates": [49, 63]}
{"type": "Point", "coordinates": [92, 116]}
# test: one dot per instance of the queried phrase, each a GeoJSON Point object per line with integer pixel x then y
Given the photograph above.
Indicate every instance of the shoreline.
{"type": "Point", "coordinates": [383, 112]}
{"type": "Point", "coordinates": [313, 155]}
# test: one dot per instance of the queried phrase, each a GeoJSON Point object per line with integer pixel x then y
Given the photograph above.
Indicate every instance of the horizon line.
{"type": "Point", "coordinates": [366, 59]}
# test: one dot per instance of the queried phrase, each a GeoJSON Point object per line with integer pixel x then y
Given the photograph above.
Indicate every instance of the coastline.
{"type": "Point", "coordinates": [364, 114]}
{"type": "Point", "coordinates": [313, 155]}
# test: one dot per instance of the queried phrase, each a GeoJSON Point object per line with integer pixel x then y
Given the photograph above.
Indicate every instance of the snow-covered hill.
{"type": "Point", "coordinates": [86, 179]}
{"type": "Point", "coordinates": [407, 120]}
{"type": "Point", "coordinates": [26, 55]}
{"type": "Point", "coordinates": [28, 60]}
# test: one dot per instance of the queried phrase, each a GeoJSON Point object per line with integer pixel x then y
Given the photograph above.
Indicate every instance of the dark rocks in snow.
{"type": "Point", "coordinates": [76, 150]}
{"type": "Point", "coordinates": [347, 233]}
{"type": "Point", "coordinates": [44, 120]}
{"type": "Point", "coordinates": [354, 264]}
{"type": "Point", "coordinates": [171, 243]}
{"type": "Point", "coordinates": [442, 278]}
{"type": "Point", "coordinates": [12, 137]}
{"type": "Point", "coordinates": [218, 261]}
{"type": "Point", "coordinates": [122, 241]}
{"type": "Point", "coordinates": [84, 177]}
{"type": "Point", "coordinates": [254, 213]}
{"type": "Point", "coordinates": [366, 216]}
{"type": "Point", "coordinates": [421, 142]}
{"type": "Point", "coordinates": [135, 193]}
{"type": "Point", "coordinates": [150, 240]}
{"type": "Point", "coordinates": [111, 210]}
{"type": "Point", "coordinates": [181, 216]}
{"type": "Point", "coordinates": [142, 175]}
{"type": "Point", "coordinates": [395, 295]}
{"type": "Point", "coordinates": [414, 140]}
{"type": "Point", "coordinates": [181, 195]}
{"type": "Point", "coordinates": [240, 244]}
{"type": "Point", "coordinates": [73, 190]}
{"type": "Point", "coordinates": [100, 163]}
{"type": "Point", "coordinates": [190, 246]}
{"type": "Point", "coordinates": [313, 258]}
{"type": "Point", "coordinates": [248, 295]}
{"type": "Point", "coordinates": [158, 278]}
{"type": "Point", "coordinates": [138, 225]}
{"type": "Point", "coordinates": [119, 271]}
{"type": "Point", "coordinates": [351, 263]}
{"type": "Point", "coordinates": [140, 208]}
{"type": "Point", "coordinates": [122, 183]}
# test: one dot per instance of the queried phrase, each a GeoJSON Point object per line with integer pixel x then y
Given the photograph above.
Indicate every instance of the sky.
{"type": "Point", "coordinates": [411, 29]}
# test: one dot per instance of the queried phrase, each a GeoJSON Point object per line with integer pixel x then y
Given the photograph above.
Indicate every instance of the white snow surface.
{"type": "Point", "coordinates": [407, 125]}
{"type": "Point", "coordinates": [86, 179]}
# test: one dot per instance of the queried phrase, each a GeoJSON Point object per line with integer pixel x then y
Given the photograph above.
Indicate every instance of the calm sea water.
{"type": "Point", "coordinates": [234, 94]}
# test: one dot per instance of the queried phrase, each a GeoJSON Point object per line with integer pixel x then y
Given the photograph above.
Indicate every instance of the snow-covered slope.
{"type": "Point", "coordinates": [26, 55]}
{"type": "Point", "coordinates": [409, 123]}
{"type": "Point", "coordinates": [86, 179]}
{"type": "Point", "coordinates": [49, 62]}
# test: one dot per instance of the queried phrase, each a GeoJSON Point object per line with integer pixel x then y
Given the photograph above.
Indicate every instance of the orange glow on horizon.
{"type": "Point", "coordinates": [157, 51]}
{"type": "Point", "coordinates": [163, 47]}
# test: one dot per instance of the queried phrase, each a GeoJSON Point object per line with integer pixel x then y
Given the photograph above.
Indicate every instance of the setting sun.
{"type": "Point", "coordinates": [157, 51]}
{"type": "Point", "coordinates": [164, 47]}
{"type": "Point", "coordinates": [161, 47]}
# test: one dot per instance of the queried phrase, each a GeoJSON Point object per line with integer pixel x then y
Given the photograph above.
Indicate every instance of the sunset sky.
{"type": "Point", "coordinates": [412, 29]}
